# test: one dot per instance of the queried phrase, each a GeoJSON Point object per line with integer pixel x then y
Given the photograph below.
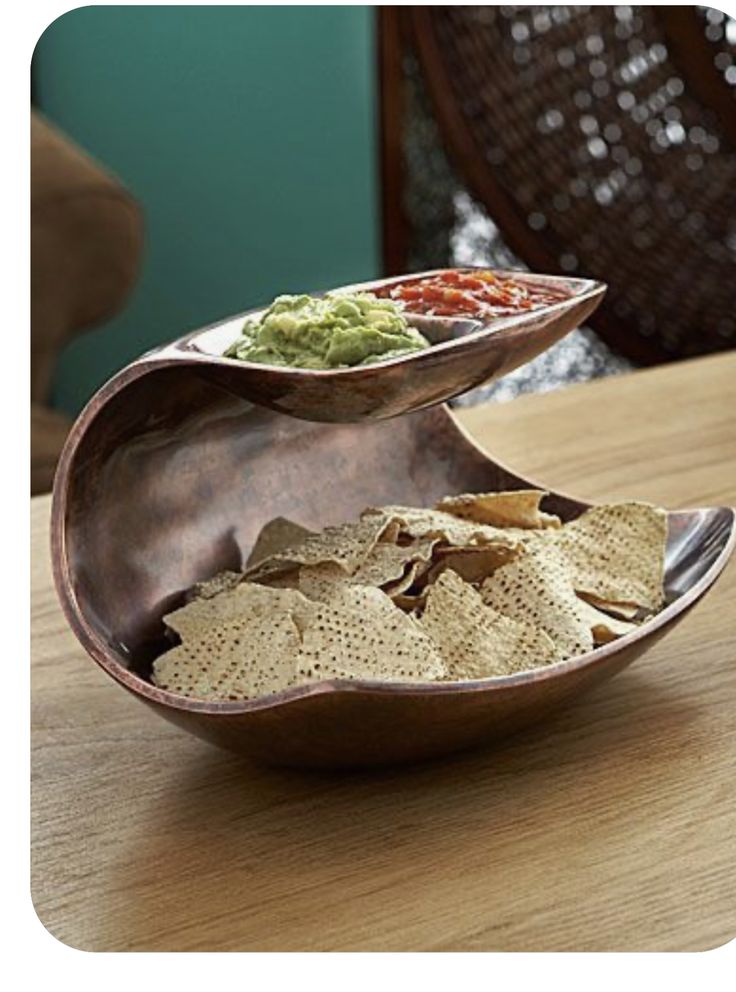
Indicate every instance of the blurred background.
{"type": "Point", "coordinates": [191, 162]}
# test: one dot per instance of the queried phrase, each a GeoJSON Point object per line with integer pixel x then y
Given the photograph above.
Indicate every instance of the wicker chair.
{"type": "Point", "coordinates": [600, 141]}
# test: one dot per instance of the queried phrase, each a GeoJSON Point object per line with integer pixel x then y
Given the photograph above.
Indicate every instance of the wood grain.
{"type": "Point", "coordinates": [611, 827]}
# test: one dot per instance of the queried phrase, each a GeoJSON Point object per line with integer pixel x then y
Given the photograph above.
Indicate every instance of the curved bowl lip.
{"type": "Point", "coordinates": [100, 653]}
{"type": "Point", "coordinates": [590, 290]}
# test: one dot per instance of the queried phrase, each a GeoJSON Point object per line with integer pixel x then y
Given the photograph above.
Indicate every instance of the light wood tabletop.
{"type": "Point", "coordinates": [612, 826]}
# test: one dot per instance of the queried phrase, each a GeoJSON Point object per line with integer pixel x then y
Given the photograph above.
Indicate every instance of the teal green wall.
{"type": "Point", "coordinates": [248, 136]}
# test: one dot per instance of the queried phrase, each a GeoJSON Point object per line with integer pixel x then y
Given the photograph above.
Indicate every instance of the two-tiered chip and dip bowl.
{"type": "Point", "coordinates": [177, 463]}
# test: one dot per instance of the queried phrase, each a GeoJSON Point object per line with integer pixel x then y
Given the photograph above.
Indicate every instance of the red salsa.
{"type": "Point", "coordinates": [477, 293]}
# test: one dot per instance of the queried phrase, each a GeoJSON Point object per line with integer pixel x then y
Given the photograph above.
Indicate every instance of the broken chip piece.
{"type": "Point", "coordinates": [277, 535]}
{"type": "Point", "coordinates": [419, 523]}
{"type": "Point", "coordinates": [516, 508]}
{"type": "Point", "coordinates": [347, 545]}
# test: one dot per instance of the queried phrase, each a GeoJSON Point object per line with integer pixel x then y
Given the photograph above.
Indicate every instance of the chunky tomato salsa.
{"type": "Point", "coordinates": [477, 293]}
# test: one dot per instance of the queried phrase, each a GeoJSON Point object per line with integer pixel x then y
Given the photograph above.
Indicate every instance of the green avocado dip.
{"type": "Point", "coordinates": [331, 332]}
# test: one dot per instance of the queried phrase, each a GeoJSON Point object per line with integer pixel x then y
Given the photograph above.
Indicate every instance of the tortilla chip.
{"type": "Point", "coordinates": [604, 628]}
{"type": "Point", "coordinates": [319, 582]}
{"type": "Point", "coordinates": [475, 641]}
{"type": "Point", "coordinates": [419, 523]}
{"type": "Point", "coordinates": [363, 599]}
{"type": "Point", "coordinates": [622, 611]}
{"type": "Point", "coordinates": [473, 563]}
{"type": "Point", "coordinates": [414, 574]}
{"type": "Point", "coordinates": [616, 553]}
{"type": "Point", "coordinates": [347, 545]}
{"type": "Point", "coordinates": [287, 579]}
{"type": "Point", "coordinates": [246, 602]}
{"type": "Point", "coordinates": [362, 635]}
{"type": "Point", "coordinates": [238, 659]}
{"type": "Point", "coordinates": [410, 602]}
{"type": "Point", "coordinates": [221, 582]}
{"type": "Point", "coordinates": [277, 535]}
{"type": "Point", "coordinates": [392, 533]}
{"type": "Point", "coordinates": [516, 508]}
{"type": "Point", "coordinates": [536, 590]}
{"type": "Point", "coordinates": [387, 563]}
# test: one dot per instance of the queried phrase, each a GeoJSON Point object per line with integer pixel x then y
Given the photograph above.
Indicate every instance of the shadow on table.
{"type": "Point", "coordinates": [297, 846]}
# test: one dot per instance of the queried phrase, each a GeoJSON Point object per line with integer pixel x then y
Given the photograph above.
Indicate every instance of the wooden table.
{"type": "Point", "coordinates": [610, 827]}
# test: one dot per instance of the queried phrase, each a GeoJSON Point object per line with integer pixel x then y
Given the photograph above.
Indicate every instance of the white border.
{"type": "Point", "coordinates": [33, 957]}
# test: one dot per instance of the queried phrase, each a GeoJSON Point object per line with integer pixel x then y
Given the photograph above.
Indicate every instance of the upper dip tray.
{"type": "Point", "coordinates": [465, 351]}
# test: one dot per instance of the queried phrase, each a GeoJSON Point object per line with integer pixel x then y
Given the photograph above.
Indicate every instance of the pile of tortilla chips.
{"type": "Point", "coordinates": [483, 585]}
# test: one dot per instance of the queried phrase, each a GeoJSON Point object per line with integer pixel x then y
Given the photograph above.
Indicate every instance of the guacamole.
{"type": "Point", "coordinates": [331, 332]}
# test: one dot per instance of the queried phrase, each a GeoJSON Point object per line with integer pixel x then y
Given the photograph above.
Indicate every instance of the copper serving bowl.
{"type": "Point", "coordinates": [170, 473]}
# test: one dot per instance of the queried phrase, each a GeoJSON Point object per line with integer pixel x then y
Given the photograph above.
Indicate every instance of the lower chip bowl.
{"type": "Point", "coordinates": [168, 478]}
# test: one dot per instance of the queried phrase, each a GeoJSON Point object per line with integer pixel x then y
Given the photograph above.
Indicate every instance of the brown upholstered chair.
{"type": "Point", "coordinates": [86, 236]}
{"type": "Point", "coordinates": [598, 140]}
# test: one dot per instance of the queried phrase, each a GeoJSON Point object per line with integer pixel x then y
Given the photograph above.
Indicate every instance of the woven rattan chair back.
{"type": "Point", "coordinates": [601, 141]}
